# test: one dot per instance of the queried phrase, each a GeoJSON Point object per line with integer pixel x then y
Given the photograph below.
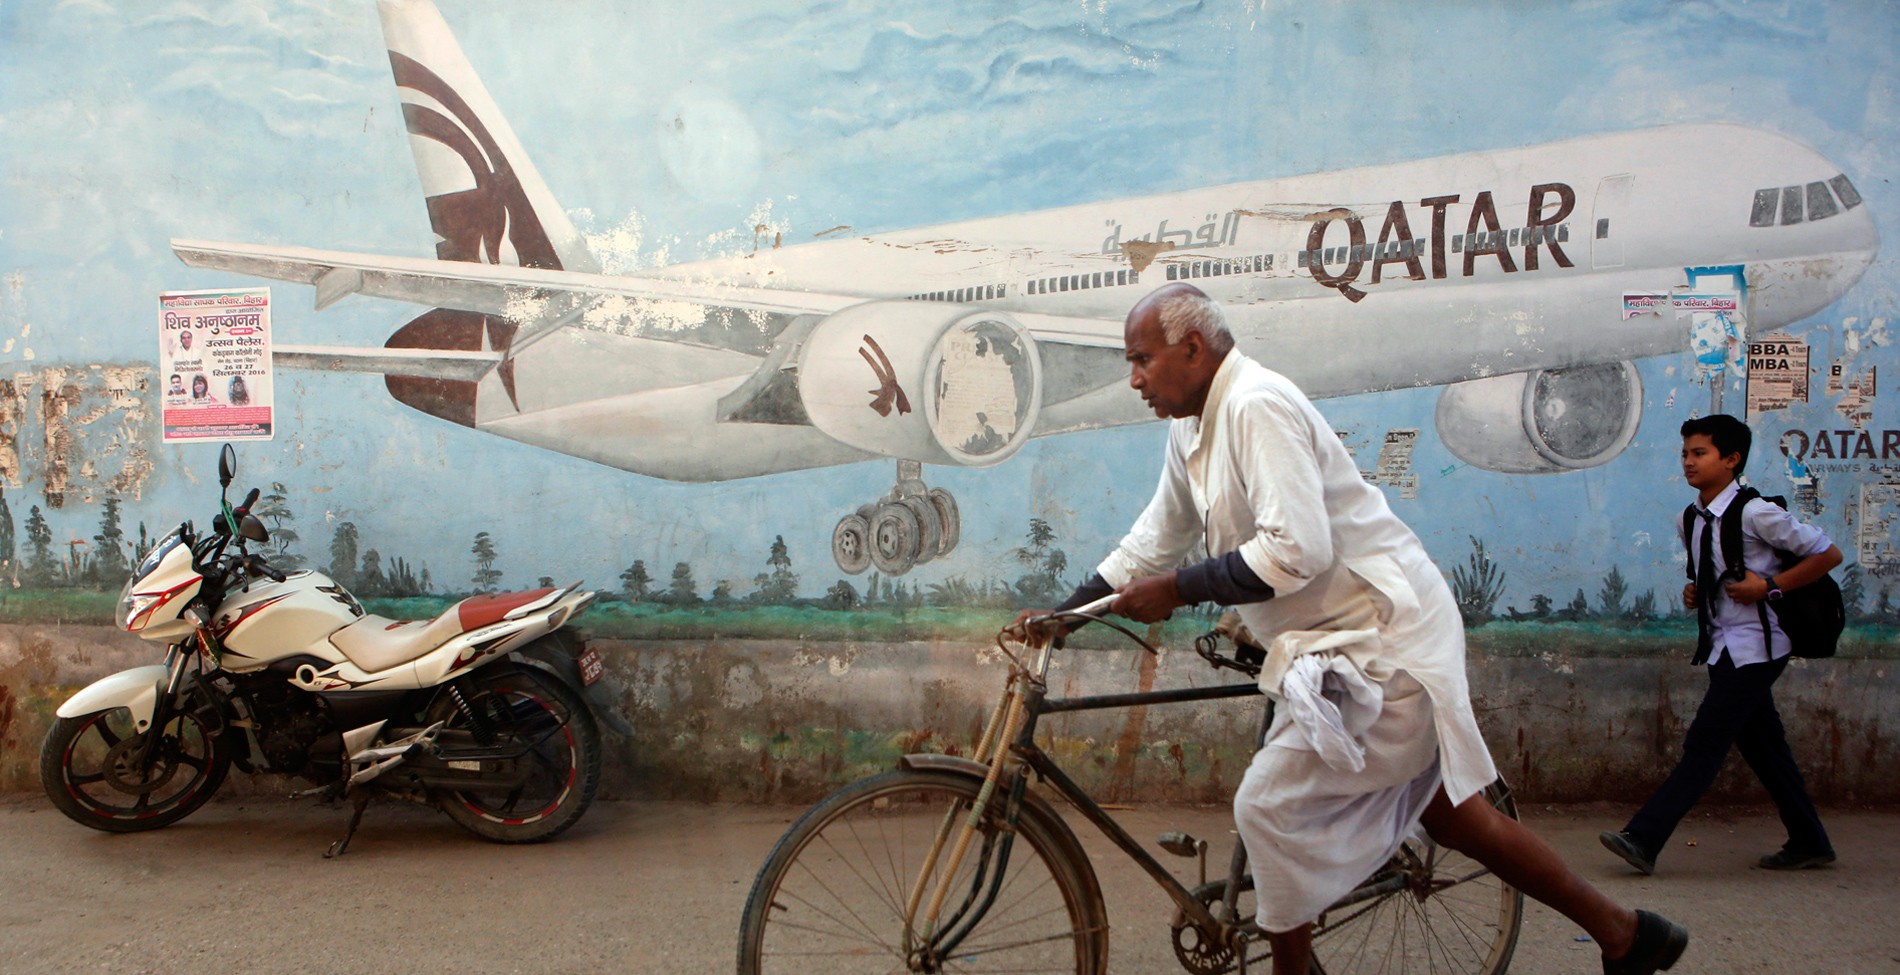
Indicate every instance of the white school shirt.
{"type": "Point", "coordinates": [1262, 473]}
{"type": "Point", "coordinates": [1766, 526]}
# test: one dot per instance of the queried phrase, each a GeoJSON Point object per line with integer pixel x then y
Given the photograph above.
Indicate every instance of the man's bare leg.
{"type": "Point", "coordinates": [1523, 860]}
{"type": "Point", "coordinates": [1292, 951]}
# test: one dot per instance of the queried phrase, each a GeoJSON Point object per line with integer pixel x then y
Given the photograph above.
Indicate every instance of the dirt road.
{"type": "Point", "coordinates": [658, 887]}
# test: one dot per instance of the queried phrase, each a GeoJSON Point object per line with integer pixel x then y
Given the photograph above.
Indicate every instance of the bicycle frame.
{"type": "Point", "coordinates": [1011, 732]}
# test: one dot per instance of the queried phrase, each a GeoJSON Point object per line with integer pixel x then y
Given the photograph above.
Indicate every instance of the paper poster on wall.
{"type": "Point", "coordinates": [214, 364]}
{"type": "Point", "coordinates": [1777, 372]}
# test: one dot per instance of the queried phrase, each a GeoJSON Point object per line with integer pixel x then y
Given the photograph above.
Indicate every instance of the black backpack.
{"type": "Point", "coordinates": [1812, 616]}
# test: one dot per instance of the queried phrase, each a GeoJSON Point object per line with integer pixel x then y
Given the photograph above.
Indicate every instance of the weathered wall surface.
{"type": "Point", "coordinates": [788, 721]}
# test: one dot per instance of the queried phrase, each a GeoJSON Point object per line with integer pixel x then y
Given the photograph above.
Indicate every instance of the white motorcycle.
{"type": "Point", "coordinates": [483, 711]}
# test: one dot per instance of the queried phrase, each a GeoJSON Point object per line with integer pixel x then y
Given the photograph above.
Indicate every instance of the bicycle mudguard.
{"type": "Point", "coordinates": [944, 763]}
{"type": "Point", "coordinates": [136, 690]}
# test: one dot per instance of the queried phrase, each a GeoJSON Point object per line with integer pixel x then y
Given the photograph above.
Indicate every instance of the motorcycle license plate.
{"type": "Point", "coordinates": [591, 667]}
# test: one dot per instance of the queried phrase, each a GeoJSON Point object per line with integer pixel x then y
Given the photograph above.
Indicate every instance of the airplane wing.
{"type": "Point", "coordinates": [421, 363]}
{"type": "Point", "coordinates": [491, 289]}
{"type": "Point", "coordinates": [541, 300]}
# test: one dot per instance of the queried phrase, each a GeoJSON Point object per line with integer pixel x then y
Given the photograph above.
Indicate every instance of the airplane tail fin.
{"type": "Point", "coordinates": [486, 200]}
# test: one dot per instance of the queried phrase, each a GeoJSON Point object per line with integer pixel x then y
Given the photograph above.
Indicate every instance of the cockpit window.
{"type": "Point", "coordinates": [1802, 203]}
{"type": "Point", "coordinates": [1763, 215]}
{"type": "Point", "coordinates": [1820, 202]}
{"type": "Point", "coordinates": [1850, 197]}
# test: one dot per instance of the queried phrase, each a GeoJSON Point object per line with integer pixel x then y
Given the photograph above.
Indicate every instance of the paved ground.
{"type": "Point", "coordinates": [657, 887]}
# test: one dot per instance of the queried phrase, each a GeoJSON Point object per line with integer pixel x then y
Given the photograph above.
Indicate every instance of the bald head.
{"type": "Point", "coordinates": [1181, 308]}
{"type": "Point", "coordinates": [1174, 341]}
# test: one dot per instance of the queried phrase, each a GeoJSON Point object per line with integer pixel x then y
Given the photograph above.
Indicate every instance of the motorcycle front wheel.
{"type": "Point", "coordinates": [93, 772]}
{"type": "Point", "coordinates": [553, 748]}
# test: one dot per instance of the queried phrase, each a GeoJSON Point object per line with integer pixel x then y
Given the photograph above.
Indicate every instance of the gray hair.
{"type": "Point", "coordinates": [1192, 311]}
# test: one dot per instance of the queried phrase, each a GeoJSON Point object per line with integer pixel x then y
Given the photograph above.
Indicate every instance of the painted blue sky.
{"type": "Point", "coordinates": [276, 122]}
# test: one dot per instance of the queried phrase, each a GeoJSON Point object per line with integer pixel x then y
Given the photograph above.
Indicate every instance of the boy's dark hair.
{"type": "Point", "coordinates": [1730, 436]}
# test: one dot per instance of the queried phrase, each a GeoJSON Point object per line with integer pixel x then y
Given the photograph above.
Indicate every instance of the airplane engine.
{"type": "Point", "coordinates": [1545, 421]}
{"type": "Point", "coordinates": [923, 381]}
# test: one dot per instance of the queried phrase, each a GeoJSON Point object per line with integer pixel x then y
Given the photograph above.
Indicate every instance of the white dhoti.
{"type": "Point", "coordinates": [1314, 832]}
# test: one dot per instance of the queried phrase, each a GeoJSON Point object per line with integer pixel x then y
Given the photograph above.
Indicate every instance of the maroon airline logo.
{"type": "Point", "coordinates": [887, 393]}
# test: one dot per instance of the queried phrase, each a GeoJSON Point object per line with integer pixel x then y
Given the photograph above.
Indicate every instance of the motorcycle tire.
{"type": "Point", "coordinates": [86, 770]}
{"type": "Point", "coordinates": [560, 742]}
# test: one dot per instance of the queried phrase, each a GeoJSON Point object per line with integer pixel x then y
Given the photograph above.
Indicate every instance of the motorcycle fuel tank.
{"type": "Point", "coordinates": [266, 621]}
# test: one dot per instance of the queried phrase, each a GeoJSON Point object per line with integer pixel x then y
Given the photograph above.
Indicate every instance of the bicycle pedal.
{"type": "Point", "coordinates": [1178, 843]}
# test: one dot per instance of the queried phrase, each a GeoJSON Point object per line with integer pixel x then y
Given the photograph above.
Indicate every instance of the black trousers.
{"type": "Point", "coordinates": [1739, 710]}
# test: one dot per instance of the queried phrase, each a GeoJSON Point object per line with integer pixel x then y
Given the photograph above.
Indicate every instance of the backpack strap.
{"type": "Point", "coordinates": [1731, 537]}
{"type": "Point", "coordinates": [1732, 558]}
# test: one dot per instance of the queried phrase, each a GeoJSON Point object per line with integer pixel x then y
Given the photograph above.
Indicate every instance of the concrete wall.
{"type": "Point", "coordinates": [788, 721]}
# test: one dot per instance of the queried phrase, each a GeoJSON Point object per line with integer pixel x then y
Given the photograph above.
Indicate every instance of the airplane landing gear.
{"type": "Point", "coordinates": [908, 527]}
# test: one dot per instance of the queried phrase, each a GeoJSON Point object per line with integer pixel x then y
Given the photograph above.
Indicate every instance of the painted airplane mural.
{"type": "Point", "coordinates": [1499, 275]}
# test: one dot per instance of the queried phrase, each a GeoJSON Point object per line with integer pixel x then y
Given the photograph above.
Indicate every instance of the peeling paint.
{"type": "Point", "coordinates": [1142, 253]}
{"type": "Point", "coordinates": [94, 428]}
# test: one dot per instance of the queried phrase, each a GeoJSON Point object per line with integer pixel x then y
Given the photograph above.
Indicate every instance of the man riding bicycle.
{"type": "Point", "coordinates": [1351, 608]}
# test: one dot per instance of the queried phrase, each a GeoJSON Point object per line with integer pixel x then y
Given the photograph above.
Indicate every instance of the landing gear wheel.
{"type": "Point", "coordinates": [851, 544]}
{"type": "Point", "coordinates": [88, 769]}
{"type": "Point", "coordinates": [894, 532]}
{"type": "Point", "coordinates": [930, 528]}
{"type": "Point", "coordinates": [946, 506]}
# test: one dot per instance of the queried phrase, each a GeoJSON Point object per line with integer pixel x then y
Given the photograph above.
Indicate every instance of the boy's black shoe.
{"type": "Point", "coordinates": [1789, 858]}
{"type": "Point", "coordinates": [1626, 846]}
{"type": "Point", "coordinates": [1659, 942]}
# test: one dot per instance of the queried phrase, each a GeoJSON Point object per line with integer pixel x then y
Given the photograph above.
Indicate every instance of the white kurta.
{"type": "Point", "coordinates": [1262, 473]}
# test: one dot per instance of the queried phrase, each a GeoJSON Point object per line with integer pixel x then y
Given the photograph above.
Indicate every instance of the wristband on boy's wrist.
{"type": "Point", "coordinates": [1774, 589]}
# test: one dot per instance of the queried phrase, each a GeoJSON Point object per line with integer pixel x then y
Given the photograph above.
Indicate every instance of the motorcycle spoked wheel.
{"type": "Point", "coordinates": [87, 769]}
{"type": "Point", "coordinates": [561, 749]}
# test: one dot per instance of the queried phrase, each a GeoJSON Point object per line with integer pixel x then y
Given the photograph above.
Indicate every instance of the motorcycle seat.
{"type": "Point", "coordinates": [377, 643]}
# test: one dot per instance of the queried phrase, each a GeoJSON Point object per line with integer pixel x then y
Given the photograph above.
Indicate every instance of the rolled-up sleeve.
{"type": "Point", "coordinates": [1167, 528]}
{"type": "Point", "coordinates": [1292, 539]}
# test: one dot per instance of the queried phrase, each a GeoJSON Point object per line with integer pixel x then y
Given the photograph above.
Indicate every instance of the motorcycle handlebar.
{"type": "Point", "coordinates": [259, 566]}
{"type": "Point", "coordinates": [249, 499]}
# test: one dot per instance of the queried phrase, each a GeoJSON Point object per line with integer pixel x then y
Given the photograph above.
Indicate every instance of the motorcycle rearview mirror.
{"type": "Point", "coordinates": [250, 528]}
{"type": "Point", "coordinates": [227, 466]}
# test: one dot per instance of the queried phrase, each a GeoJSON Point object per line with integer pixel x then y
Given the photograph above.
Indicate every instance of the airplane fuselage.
{"type": "Point", "coordinates": [1407, 274]}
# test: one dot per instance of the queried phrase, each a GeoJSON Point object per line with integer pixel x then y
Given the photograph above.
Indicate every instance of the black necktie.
{"type": "Point", "coordinates": [1705, 589]}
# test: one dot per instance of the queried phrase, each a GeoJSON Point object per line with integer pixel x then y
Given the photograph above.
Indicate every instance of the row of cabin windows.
{"type": "Point", "coordinates": [1489, 240]}
{"type": "Point", "coordinates": [1798, 203]}
{"type": "Point", "coordinates": [983, 292]}
{"type": "Point", "coordinates": [1214, 269]}
{"type": "Point", "coordinates": [1181, 271]}
{"type": "Point", "coordinates": [1078, 282]}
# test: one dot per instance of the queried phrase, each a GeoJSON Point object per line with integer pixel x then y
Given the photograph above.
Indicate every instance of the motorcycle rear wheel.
{"type": "Point", "coordinates": [561, 747]}
{"type": "Point", "coordinates": [88, 773]}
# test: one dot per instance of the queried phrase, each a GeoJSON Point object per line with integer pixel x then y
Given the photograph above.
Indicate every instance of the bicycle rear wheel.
{"type": "Point", "coordinates": [1430, 909]}
{"type": "Point", "coordinates": [832, 896]}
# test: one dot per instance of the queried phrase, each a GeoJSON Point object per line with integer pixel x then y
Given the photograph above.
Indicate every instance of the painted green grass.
{"type": "Point", "coordinates": [882, 624]}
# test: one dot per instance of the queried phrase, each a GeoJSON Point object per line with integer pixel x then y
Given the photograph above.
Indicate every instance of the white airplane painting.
{"type": "Point", "coordinates": [1499, 275]}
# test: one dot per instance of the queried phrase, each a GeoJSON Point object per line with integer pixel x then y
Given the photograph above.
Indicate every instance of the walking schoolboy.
{"type": "Point", "coordinates": [1744, 658]}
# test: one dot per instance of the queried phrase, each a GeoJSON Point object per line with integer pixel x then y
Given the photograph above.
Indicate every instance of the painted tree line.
{"type": "Point", "coordinates": [1478, 584]}
{"type": "Point", "coordinates": [1039, 583]}
{"type": "Point", "coordinates": [31, 557]}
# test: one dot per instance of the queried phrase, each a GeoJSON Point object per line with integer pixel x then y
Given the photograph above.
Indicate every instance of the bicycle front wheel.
{"type": "Point", "coordinates": [834, 894]}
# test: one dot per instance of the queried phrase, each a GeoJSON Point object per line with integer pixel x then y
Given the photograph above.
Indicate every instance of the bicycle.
{"type": "Point", "coordinates": [918, 870]}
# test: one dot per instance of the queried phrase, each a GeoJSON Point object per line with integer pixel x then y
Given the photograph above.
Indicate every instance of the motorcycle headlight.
{"type": "Point", "coordinates": [132, 605]}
